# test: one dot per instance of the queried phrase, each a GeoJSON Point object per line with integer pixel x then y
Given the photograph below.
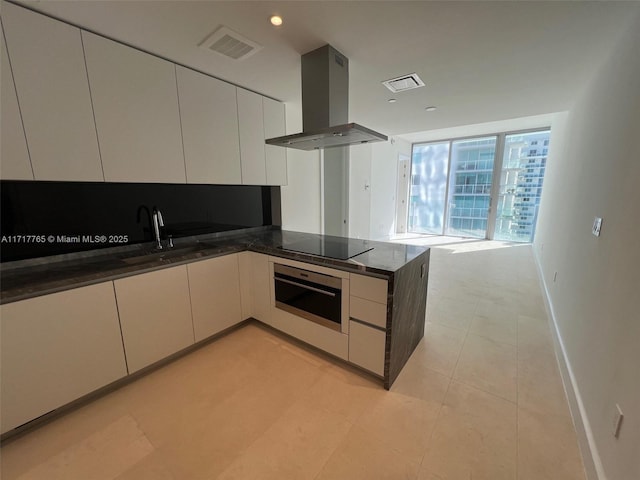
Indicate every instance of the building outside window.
{"type": "Point", "coordinates": [452, 186]}
{"type": "Point", "coordinates": [472, 164]}
{"type": "Point", "coordinates": [520, 191]}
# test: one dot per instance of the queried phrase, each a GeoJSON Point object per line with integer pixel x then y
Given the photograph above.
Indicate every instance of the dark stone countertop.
{"type": "Point", "coordinates": [25, 279]}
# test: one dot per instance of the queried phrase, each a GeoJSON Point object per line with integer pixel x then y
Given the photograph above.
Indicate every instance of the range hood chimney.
{"type": "Point", "coordinates": [325, 105]}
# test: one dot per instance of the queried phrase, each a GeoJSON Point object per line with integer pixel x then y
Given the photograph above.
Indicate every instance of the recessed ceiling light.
{"type": "Point", "coordinates": [392, 100]}
{"type": "Point", "coordinates": [431, 109]}
{"type": "Point", "coordinates": [276, 20]}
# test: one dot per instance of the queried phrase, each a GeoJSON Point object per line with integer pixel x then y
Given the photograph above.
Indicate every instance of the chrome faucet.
{"type": "Point", "coordinates": [157, 223]}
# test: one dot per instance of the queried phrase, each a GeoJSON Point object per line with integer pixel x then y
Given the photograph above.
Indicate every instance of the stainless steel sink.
{"type": "Point", "coordinates": [159, 255]}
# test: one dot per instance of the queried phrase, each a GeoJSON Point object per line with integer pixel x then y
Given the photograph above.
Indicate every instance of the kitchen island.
{"type": "Point", "coordinates": [404, 267]}
{"type": "Point", "coordinates": [393, 318]}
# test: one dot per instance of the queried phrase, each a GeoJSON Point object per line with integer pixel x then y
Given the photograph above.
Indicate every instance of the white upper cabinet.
{"type": "Point", "coordinates": [252, 151]}
{"type": "Point", "coordinates": [135, 100]}
{"type": "Point", "coordinates": [261, 118]}
{"type": "Point", "coordinates": [209, 117]}
{"type": "Point", "coordinates": [53, 93]}
{"type": "Point", "coordinates": [14, 157]}
{"type": "Point", "coordinates": [86, 108]}
{"type": "Point", "coordinates": [274, 126]}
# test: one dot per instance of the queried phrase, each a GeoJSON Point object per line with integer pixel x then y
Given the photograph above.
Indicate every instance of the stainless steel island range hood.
{"type": "Point", "coordinates": [325, 105]}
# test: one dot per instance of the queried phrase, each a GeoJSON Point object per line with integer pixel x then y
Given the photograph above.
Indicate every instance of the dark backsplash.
{"type": "Point", "coordinates": [37, 217]}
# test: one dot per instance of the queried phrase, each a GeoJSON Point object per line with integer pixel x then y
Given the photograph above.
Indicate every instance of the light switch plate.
{"type": "Point", "coordinates": [617, 421]}
{"type": "Point", "coordinates": [597, 225]}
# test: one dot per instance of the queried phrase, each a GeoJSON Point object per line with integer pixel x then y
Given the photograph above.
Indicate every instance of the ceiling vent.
{"type": "Point", "coordinates": [225, 41]}
{"type": "Point", "coordinates": [405, 82]}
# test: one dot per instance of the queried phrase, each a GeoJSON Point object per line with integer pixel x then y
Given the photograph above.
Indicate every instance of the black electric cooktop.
{"type": "Point", "coordinates": [331, 247]}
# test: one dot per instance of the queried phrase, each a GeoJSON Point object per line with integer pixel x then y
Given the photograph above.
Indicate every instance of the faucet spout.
{"type": "Point", "coordinates": [144, 208]}
{"type": "Point", "coordinates": [158, 222]}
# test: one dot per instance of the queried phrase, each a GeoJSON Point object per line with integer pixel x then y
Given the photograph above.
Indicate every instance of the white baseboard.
{"type": "Point", "coordinates": [588, 448]}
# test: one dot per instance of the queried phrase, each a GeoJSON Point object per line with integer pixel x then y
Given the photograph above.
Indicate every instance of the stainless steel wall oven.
{"type": "Point", "coordinates": [314, 296]}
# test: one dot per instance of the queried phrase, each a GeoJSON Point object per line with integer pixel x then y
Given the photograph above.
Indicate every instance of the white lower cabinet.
{"type": "Point", "coordinates": [260, 287]}
{"type": "Point", "coordinates": [370, 312]}
{"type": "Point", "coordinates": [155, 315]}
{"type": "Point", "coordinates": [215, 295]}
{"type": "Point", "coordinates": [334, 342]}
{"type": "Point", "coordinates": [57, 348]}
{"type": "Point", "coordinates": [366, 347]}
{"type": "Point", "coordinates": [246, 288]}
{"type": "Point", "coordinates": [370, 288]}
{"type": "Point", "coordinates": [367, 334]}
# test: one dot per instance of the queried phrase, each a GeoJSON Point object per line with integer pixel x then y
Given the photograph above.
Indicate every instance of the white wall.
{"type": "Point", "coordinates": [360, 190]}
{"type": "Point", "coordinates": [335, 179]}
{"type": "Point", "coordinates": [510, 125]}
{"type": "Point", "coordinates": [384, 179]}
{"type": "Point", "coordinates": [372, 209]}
{"type": "Point", "coordinates": [301, 198]}
{"type": "Point", "coordinates": [594, 170]}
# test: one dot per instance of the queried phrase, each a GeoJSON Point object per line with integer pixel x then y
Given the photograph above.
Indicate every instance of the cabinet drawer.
{"type": "Point", "coordinates": [366, 347]}
{"type": "Point", "coordinates": [374, 289]}
{"type": "Point", "coordinates": [367, 311]}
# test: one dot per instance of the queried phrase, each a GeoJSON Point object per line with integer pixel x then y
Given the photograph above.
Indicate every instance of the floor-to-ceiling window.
{"type": "Point", "coordinates": [482, 187]}
{"type": "Point", "coordinates": [472, 164]}
{"type": "Point", "coordinates": [428, 190]}
{"type": "Point", "coordinates": [523, 166]}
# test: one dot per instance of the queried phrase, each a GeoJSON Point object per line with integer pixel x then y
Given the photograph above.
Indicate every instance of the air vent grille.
{"type": "Point", "coordinates": [225, 41]}
{"type": "Point", "coordinates": [403, 83]}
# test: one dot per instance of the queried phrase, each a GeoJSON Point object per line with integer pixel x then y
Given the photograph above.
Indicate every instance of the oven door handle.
{"type": "Point", "coordinates": [306, 287]}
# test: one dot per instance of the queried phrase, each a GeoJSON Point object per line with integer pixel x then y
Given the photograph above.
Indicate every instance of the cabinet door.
{"type": "Point", "coordinates": [366, 347]}
{"type": "Point", "coordinates": [251, 125]}
{"type": "Point", "coordinates": [155, 314]}
{"type": "Point", "coordinates": [246, 281]}
{"type": "Point", "coordinates": [48, 66]}
{"type": "Point", "coordinates": [275, 157]}
{"type": "Point", "coordinates": [14, 156]}
{"type": "Point", "coordinates": [215, 295]}
{"type": "Point", "coordinates": [209, 116]}
{"type": "Point", "coordinates": [57, 348]}
{"type": "Point", "coordinates": [135, 101]}
{"type": "Point", "coordinates": [260, 287]}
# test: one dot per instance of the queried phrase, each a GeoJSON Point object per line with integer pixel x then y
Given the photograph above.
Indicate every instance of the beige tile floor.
{"type": "Point", "coordinates": [480, 398]}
